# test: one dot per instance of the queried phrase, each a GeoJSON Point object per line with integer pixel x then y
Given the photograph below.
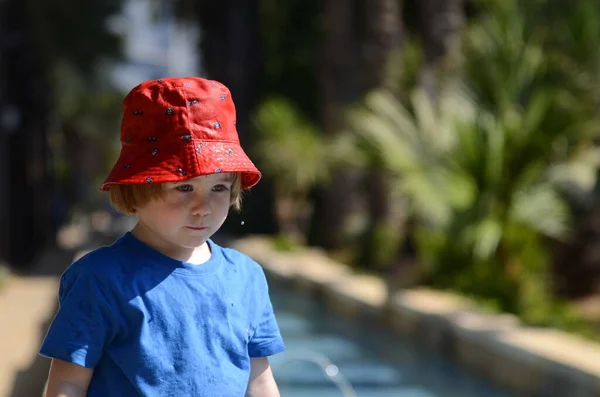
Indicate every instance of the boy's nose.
{"type": "Point", "coordinates": [200, 205]}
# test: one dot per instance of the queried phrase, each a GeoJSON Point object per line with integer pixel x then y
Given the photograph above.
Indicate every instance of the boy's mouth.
{"type": "Point", "coordinates": [196, 227]}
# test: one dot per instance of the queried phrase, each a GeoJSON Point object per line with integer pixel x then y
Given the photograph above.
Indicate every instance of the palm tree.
{"type": "Point", "coordinates": [567, 59]}
{"type": "Point", "coordinates": [293, 155]}
{"type": "Point", "coordinates": [338, 69]}
{"type": "Point", "coordinates": [381, 48]}
{"type": "Point", "coordinates": [480, 222]}
{"type": "Point", "coordinates": [360, 42]}
{"type": "Point", "coordinates": [572, 33]}
{"type": "Point", "coordinates": [485, 171]}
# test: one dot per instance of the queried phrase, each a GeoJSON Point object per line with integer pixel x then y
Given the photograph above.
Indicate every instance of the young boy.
{"type": "Point", "coordinates": [165, 311]}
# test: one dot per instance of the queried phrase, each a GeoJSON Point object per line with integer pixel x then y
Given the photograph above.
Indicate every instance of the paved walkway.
{"type": "Point", "coordinates": [28, 303]}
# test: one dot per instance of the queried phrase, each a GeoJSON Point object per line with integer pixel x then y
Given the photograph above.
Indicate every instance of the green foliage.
{"type": "Point", "coordinates": [290, 149]}
{"type": "Point", "coordinates": [292, 154]}
{"type": "Point", "coordinates": [478, 186]}
{"type": "Point", "coordinates": [411, 63]}
{"type": "Point", "coordinates": [284, 243]}
{"type": "Point", "coordinates": [386, 240]}
{"type": "Point", "coordinates": [486, 167]}
{"type": "Point", "coordinates": [88, 111]}
{"type": "Point", "coordinates": [92, 105]}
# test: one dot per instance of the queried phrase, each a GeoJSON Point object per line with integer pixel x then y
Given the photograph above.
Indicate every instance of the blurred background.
{"type": "Point", "coordinates": [445, 143]}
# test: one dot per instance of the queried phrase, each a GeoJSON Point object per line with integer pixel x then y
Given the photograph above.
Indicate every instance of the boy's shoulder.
{"type": "Point", "coordinates": [100, 260]}
{"type": "Point", "coordinates": [237, 258]}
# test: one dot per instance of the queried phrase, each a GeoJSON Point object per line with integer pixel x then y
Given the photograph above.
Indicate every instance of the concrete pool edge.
{"type": "Point", "coordinates": [529, 361]}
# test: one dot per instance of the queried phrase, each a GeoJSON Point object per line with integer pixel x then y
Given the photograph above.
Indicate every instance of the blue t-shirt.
{"type": "Point", "coordinates": [150, 325]}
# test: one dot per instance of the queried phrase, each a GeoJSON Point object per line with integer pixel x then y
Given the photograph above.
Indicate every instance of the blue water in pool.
{"type": "Point", "coordinates": [374, 362]}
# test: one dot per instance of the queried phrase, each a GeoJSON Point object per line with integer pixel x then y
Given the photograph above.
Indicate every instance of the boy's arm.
{"type": "Point", "coordinates": [68, 379]}
{"type": "Point", "coordinates": [262, 383]}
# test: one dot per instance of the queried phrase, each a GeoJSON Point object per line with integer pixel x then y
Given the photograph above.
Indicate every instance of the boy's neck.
{"type": "Point", "coordinates": [200, 255]}
{"type": "Point", "coordinates": [196, 256]}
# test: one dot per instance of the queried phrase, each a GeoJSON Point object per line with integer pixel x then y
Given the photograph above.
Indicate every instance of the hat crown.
{"type": "Point", "coordinates": [178, 108]}
{"type": "Point", "coordinates": [179, 128]}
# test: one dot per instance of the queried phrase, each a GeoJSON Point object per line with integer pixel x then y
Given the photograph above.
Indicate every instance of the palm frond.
{"type": "Point", "coordinates": [290, 148]}
{"type": "Point", "coordinates": [541, 208]}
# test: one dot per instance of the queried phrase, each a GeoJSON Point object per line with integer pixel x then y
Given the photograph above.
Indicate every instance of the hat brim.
{"type": "Point", "coordinates": [178, 161]}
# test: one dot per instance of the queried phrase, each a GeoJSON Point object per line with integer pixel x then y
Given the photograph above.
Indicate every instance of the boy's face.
{"type": "Point", "coordinates": [189, 212]}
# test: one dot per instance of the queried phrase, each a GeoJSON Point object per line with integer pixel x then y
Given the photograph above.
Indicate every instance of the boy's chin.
{"type": "Point", "coordinates": [194, 239]}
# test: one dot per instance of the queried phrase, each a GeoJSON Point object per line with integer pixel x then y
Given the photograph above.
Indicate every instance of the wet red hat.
{"type": "Point", "coordinates": [179, 128]}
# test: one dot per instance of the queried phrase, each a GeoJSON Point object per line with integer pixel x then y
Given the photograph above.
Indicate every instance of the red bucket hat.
{"type": "Point", "coordinates": [175, 129]}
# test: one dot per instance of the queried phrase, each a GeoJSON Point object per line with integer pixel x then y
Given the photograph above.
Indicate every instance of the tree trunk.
{"type": "Point", "coordinates": [231, 52]}
{"type": "Point", "coordinates": [25, 91]}
{"type": "Point", "coordinates": [381, 44]}
{"type": "Point", "coordinates": [441, 24]}
{"type": "Point", "coordinates": [380, 48]}
{"type": "Point", "coordinates": [5, 129]}
{"type": "Point", "coordinates": [340, 77]}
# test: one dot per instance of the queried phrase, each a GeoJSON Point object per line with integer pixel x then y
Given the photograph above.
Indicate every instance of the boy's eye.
{"type": "Point", "coordinates": [185, 188]}
{"type": "Point", "coordinates": [220, 188]}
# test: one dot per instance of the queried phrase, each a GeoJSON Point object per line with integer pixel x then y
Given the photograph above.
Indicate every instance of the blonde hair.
{"type": "Point", "coordinates": [126, 198]}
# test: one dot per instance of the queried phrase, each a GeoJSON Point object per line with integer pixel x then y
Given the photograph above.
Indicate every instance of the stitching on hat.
{"type": "Point", "coordinates": [185, 113]}
{"type": "Point", "coordinates": [195, 155]}
{"type": "Point", "coordinates": [217, 141]}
